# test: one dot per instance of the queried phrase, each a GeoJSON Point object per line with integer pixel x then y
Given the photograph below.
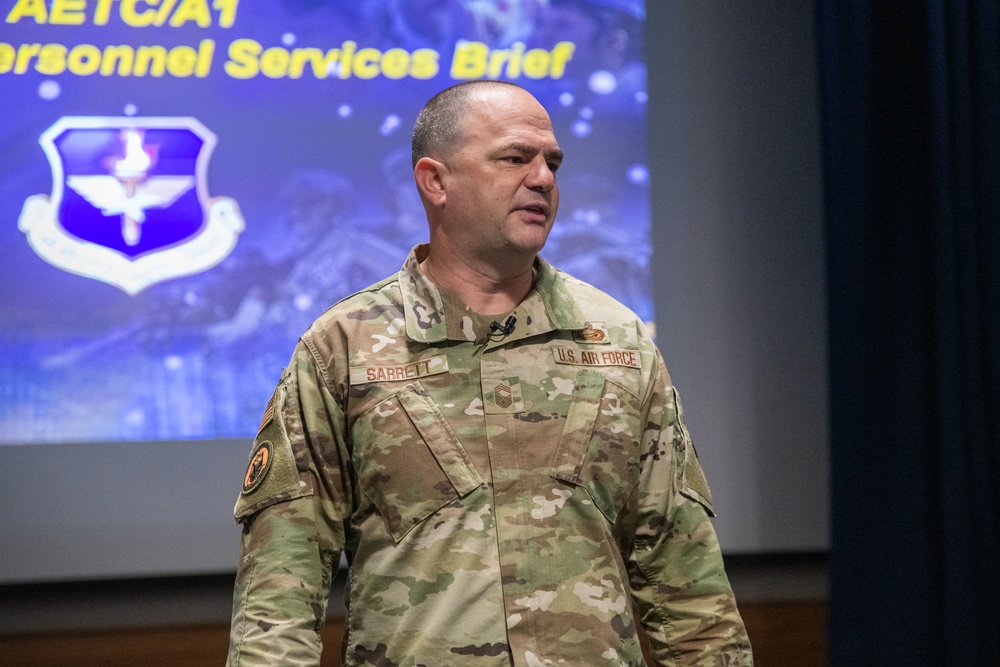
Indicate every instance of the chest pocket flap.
{"type": "Point", "coordinates": [599, 447]}
{"type": "Point", "coordinates": [409, 461]}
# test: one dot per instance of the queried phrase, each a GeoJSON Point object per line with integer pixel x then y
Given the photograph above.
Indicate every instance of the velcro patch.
{"type": "Point", "coordinates": [609, 357]}
{"type": "Point", "coordinates": [399, 372]}
{"type": "Point", "coordinates": [695, 482]}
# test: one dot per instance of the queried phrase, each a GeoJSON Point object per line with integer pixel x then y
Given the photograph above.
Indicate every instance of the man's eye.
{"type": "Point", "coordinates": [515, 159]}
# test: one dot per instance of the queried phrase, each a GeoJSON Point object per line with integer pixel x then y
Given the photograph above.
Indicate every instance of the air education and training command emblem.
{"type": "Point", "coordinates": [129, 203]}
{"type": "Point", "coordinates": [260, 463]}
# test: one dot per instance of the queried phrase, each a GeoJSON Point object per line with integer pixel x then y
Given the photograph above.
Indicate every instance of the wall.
{"type": "Point", "coordinates": [738, 237]}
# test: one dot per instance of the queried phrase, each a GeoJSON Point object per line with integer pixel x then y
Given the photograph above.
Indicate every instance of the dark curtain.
{"type": "Point", "coordinates": [911, 115]}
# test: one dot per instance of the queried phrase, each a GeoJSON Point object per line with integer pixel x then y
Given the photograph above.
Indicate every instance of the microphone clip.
{"type": "Point", "coordinates": [504, 329]}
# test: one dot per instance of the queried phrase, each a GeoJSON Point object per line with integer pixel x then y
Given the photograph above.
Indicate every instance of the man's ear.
{"type": "Point", "coordinates": [429, 176]}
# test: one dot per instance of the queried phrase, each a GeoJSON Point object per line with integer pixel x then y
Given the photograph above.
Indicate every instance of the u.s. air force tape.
{"type": "Point", "coordinates": [605, 357]}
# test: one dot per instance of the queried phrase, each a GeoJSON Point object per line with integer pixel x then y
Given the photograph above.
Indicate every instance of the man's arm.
{"type": "Point", "coordinates": [676, 571]}
{"type": "Point", "coordinates": [282, 585]}
{"type": "Point", "coordinates": [295, 498]}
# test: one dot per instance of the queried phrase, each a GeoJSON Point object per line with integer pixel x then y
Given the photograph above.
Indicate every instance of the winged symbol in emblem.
{"type": "Point", "coordinates": [128, 191]}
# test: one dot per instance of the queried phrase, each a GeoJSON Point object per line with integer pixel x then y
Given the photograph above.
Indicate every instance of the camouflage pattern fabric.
{"type": "Point", "coordinates": [509, 499]}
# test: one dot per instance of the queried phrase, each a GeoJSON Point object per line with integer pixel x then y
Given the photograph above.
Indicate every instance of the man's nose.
{"type": "Point", "coordinates": [540, 178]}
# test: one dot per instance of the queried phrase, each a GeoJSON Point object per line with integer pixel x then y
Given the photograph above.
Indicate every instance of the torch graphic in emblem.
{"type": "Point", "coordinates": [129, 190]}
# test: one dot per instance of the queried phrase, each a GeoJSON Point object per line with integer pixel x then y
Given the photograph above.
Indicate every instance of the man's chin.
{"type": "Point", "coordinates": [528, 249]}
{"type": "Point", "coordinates": [532, 238]}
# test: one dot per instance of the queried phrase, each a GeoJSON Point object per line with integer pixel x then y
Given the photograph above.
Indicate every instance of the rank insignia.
{"type": "Point", "coordinates": [129, 203]}
{"type": "Point", "coordinates": [260, 463]}
{"type": "Point", "coordinates": [503, 395]}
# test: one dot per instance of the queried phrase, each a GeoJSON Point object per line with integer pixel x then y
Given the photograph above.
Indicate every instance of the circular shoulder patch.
{"type": "Point", "coordinates": [260, 463]}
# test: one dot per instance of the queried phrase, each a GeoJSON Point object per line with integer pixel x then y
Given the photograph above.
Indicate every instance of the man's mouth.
{"type": "Point", "coordinates": [536, 209]}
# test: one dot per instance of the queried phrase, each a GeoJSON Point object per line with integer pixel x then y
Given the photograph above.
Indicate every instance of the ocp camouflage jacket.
{"type": "Point", "coordinates": [508, 497]}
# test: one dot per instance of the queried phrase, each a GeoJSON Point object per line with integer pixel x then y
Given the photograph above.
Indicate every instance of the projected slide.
{"type": "Point", "coordinates": [186, 184]}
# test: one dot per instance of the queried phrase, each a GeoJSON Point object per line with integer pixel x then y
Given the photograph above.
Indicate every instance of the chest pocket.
{"type": "Point", "coordinates": [599, 447]}
{"type": "Point", "coordinates": [409, 462]}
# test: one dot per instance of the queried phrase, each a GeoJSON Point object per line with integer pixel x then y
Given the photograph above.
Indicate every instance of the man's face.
{"type": "Point", "coordinates": [501, 184]}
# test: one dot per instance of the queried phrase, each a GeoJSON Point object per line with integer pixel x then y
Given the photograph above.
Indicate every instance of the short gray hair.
{"type": "Point", "coordinates": [438, 126]}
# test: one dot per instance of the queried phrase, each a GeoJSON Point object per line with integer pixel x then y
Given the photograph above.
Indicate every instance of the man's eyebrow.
{"type": "Point", "coordinates": [555, 155]}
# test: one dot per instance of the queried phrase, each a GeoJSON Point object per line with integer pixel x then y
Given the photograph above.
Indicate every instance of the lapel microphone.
{"type": "Point", "coordinates": [504, 329]}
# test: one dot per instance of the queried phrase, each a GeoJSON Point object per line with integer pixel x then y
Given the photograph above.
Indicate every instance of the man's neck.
{"type": "Point", "coordinates": [483, 288]}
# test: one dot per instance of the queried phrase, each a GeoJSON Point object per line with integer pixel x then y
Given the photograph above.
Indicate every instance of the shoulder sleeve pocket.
{"type": "Point", "coordinates": [693, 484]}
{"type": "Point", "coordinates": [272, 475]}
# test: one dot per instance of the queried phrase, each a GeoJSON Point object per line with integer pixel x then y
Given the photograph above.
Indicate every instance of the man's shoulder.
{"type": "Point", "coordinates": [591, 301]}
{"type": "Point", "coordinates": [378, 301]}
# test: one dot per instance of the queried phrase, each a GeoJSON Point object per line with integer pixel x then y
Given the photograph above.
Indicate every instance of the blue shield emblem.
{"type": "Point", "coordinates": [129, 203]}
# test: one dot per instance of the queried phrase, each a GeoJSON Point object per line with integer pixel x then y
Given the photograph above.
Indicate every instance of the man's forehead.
{"type": "Point", "coordinates": [508, 101]}
{"type": "Point", "coordinates": [505, 123]}
{"type": "Point", "coordinates": [507, 117]}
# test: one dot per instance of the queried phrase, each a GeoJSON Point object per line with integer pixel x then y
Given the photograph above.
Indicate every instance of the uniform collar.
{"type": "Point", "coordinates": [548, 307]}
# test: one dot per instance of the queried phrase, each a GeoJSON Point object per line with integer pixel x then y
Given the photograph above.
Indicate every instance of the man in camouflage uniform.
{"type": "Point", "coordinates": [495, 445]}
